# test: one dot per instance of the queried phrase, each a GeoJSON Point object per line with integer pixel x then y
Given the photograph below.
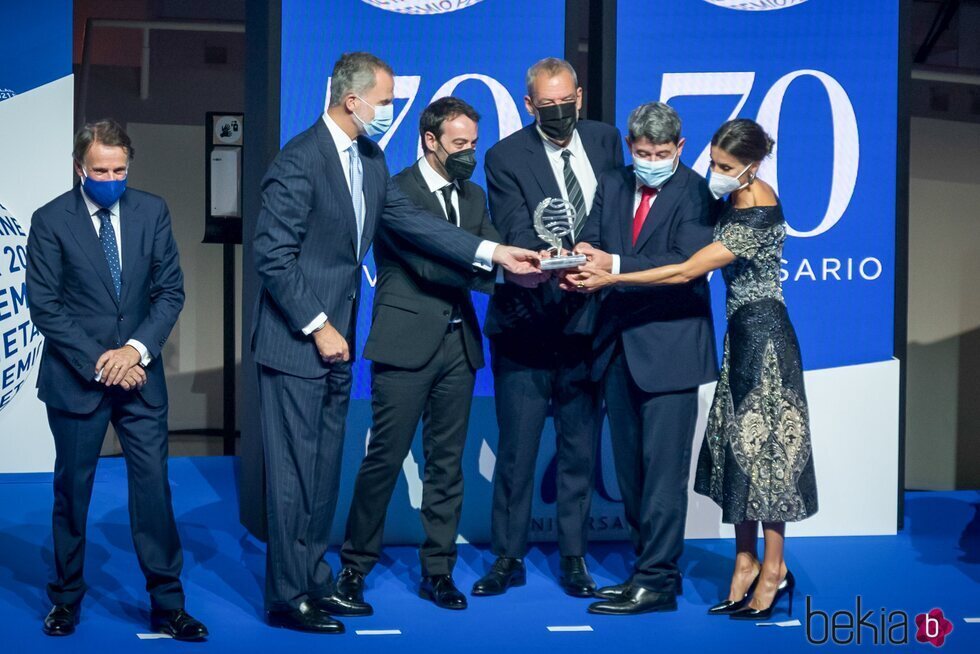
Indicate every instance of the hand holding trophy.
{"type": "Point", "coordinates": [554, 219]}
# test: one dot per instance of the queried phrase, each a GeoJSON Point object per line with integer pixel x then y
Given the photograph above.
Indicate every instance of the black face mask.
{"type": "Point", "coordinates": [460, 165]}
{"type": "Point", "coordinates": [557, 121]}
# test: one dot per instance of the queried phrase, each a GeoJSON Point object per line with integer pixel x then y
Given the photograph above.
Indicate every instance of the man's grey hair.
{"type": "Point", "coordinates": [550, 66]}
{"type": "Point", "coordinates": [656, 122]}
{"type": "Point", "coordinates": [355, 72]}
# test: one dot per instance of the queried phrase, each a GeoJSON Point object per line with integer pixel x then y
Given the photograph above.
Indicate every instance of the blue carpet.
{"type": "Point", "coordinates": [934, 562]}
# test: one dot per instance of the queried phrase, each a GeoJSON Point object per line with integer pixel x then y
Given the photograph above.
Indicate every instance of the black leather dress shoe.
{"type": "Point", "coordinates": [442, 592]}
{"type": "Point", "coordinates": [305, 618]}
{"type": "Point", "coordinates": [347, 598]}
{"type": "Point", "coordinates": [506, 572]}
{"type": "Point", "coordinates": [177, 623]}
{"type": "Point", "coordinates": [634, 601]}
{"type": "Point", "coordinates": [61, 619]}
{"type": "Point", "coordinates": [613, 592]}
{"type": "Point", "coordinates": [575, 578]}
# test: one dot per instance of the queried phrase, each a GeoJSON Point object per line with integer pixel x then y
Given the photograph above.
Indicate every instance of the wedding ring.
{"type": "Point", "coordinates": [581, 284]}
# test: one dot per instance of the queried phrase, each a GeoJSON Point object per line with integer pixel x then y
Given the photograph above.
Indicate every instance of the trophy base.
{"type": "Point", "coordinates": [560, 263]}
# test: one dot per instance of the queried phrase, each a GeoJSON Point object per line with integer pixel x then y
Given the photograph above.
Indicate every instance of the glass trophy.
{"type": "Point", "coordinates": [553, 220]}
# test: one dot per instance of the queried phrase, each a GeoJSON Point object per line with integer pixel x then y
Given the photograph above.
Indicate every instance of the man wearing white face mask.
{"type": "Point", "coordinates": [653, 347]}
{"type": "Point", "coordinates": [323, 198]}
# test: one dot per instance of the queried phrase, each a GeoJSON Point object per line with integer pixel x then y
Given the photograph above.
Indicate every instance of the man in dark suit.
{"type": "Point", "coordinates": [323, 197]}
{"type": "Point", "coordinates": [540, 359]}
{"type": "Point", "coordinates": [653, 347]}
{"type": "Point", "coordinates": [426, 346]}
{"type": "Point", "coordinates": [105, 289]}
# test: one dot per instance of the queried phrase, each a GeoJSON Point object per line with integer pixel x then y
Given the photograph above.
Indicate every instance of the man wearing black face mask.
{"type": "Point", "coordinates": [426, 347]}
{"type": "Point", "coordinates": [540, 351]}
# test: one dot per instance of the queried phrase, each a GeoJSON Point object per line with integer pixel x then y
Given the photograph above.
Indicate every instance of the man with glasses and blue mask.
{"type": "Point", "coordinates": [323, 198]}
{"type": "Point", "coordinates": [105, 287]}
{"type": "Point", "coordinates": [653, 347]}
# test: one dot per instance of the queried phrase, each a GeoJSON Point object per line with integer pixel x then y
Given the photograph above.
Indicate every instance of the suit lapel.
{"type": "Point", "coordinates": [425, 198]}
{"type": "Point", "coordinates": [470, 212]}
{"type": "Point", "coordinates": [374, 190]}
{"type": "Point", "coordinates": [541, 166]}
{"type": "Point", "coordinates": [336, 179]}
{"type": "Point", "coordinates": [593, 148]}
{"type": "Point", "coordinates": [131, 227]}
{"type": "Point", "coordinates": [626, 197]}
{"type": "Point", "coordinates": [660, 211]}
{"type": "Point", "coordinates": [88, 239]}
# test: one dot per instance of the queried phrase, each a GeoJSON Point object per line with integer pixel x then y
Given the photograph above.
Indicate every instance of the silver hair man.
{"type": "Point", "coordinates": [656, 122]}
{"type": "Point", "coordinates": [550, 66]}
{"type": "Point", "coordinates": [354, 73]}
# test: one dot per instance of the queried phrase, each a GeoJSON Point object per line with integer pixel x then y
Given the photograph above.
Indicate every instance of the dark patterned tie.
{"type": "Point", "coordinates": [108, 237]}
{"type": "Point", "coordinates": [447, 195]}
{"type": "Point", "coordinates": [573, 189]}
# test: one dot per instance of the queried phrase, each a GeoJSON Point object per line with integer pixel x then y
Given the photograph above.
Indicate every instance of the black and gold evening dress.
{"type": "Point", "coordinates": [756, 459]}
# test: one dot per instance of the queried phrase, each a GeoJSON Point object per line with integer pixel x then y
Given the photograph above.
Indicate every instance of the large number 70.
{"type": "Point", "coordinates": [846, 147]}
{"type": "Point", "coordinates": [407, 87]}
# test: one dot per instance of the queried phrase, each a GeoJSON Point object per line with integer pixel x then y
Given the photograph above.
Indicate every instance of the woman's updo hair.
{"type": "Point", "coordinates": [744, 139]}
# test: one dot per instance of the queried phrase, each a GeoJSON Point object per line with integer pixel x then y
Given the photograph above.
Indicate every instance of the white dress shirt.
{"type": "Point", "coordinates": [484, 253]}
{"type": "Point", "coordinates": [436, 182]}
{"type": "Point", "coordinates": [580, 166]}
{"type": "Point", "coordinates": [114, 219]}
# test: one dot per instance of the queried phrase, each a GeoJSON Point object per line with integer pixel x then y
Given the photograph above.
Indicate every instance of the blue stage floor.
{"type": "Point", "coordinates": [934, 562]}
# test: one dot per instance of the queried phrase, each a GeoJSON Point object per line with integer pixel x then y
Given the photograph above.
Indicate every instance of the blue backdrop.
{"type": "Point", "coordinates": [35, 44]}
{"type": "Point", "coordinates": [478, 51]}
{"type": "Point", "coordinates": [822, 78]}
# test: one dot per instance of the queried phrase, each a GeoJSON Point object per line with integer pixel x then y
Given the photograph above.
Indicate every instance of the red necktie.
{"type": "Point", "coordinates": [646, 199]}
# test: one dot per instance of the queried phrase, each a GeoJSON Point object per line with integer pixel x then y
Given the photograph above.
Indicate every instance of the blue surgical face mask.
{"type": "Point", "coordinates": [104, 193]}
{"type": "Point", "coordinates": [654, 173]}
{"type": "Point", "coordinates": [383, 116]}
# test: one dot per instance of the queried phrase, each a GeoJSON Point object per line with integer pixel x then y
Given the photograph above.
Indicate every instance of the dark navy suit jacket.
{"type": "Point", "coordinates": [306, 249]}
{"type": "Point", "coordinates": [519, 176]}
{"type": "Point", "coordinates": [666, 332]}
{"type": "Point", "coordinates": [74, 305]}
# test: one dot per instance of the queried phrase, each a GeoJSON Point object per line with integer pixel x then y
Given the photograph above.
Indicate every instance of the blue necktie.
{"type": "Point", "coordinates": [357, 190]}
{"type": "Point", "coordinates": [108, 237]}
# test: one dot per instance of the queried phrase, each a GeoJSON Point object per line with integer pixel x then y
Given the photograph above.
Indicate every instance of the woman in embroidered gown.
{"type": "Point", "coordinates": [755, 460]}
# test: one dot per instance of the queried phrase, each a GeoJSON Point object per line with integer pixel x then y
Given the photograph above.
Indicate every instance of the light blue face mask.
{"type": "Point", "coordinates": [654, 173]}
{"type": "Point", "coordinates": [383, 117]}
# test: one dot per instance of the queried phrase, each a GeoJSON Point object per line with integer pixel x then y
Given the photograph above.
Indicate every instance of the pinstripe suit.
{"type": "Point", "coordinates": [309, 260]}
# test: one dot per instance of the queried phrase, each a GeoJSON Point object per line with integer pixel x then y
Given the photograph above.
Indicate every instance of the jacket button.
{"type": "Point", "coordinates": [446, 312]}
{"type": "Point", "coordinates": [120, 318]}
{"type": "Point", "coordinates": [350, 296]}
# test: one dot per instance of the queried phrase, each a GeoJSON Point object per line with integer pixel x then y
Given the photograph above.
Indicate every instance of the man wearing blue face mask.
{"type": "Point", "coordinates": [323, 198]}
{"type": "Point", "coordinates": [106, 288]}
{"type": "Point", "coordinates": [653, 347]}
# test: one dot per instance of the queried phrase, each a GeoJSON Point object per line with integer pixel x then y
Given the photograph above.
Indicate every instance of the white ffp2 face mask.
{"type": "Point", "coordinates": [721, 185]}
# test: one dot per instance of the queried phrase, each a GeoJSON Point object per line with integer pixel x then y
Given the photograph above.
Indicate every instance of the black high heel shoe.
{"type": "Point", "coordinates": [727, 607]}
{"type": "Point", "coordinates": [786, 587]}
